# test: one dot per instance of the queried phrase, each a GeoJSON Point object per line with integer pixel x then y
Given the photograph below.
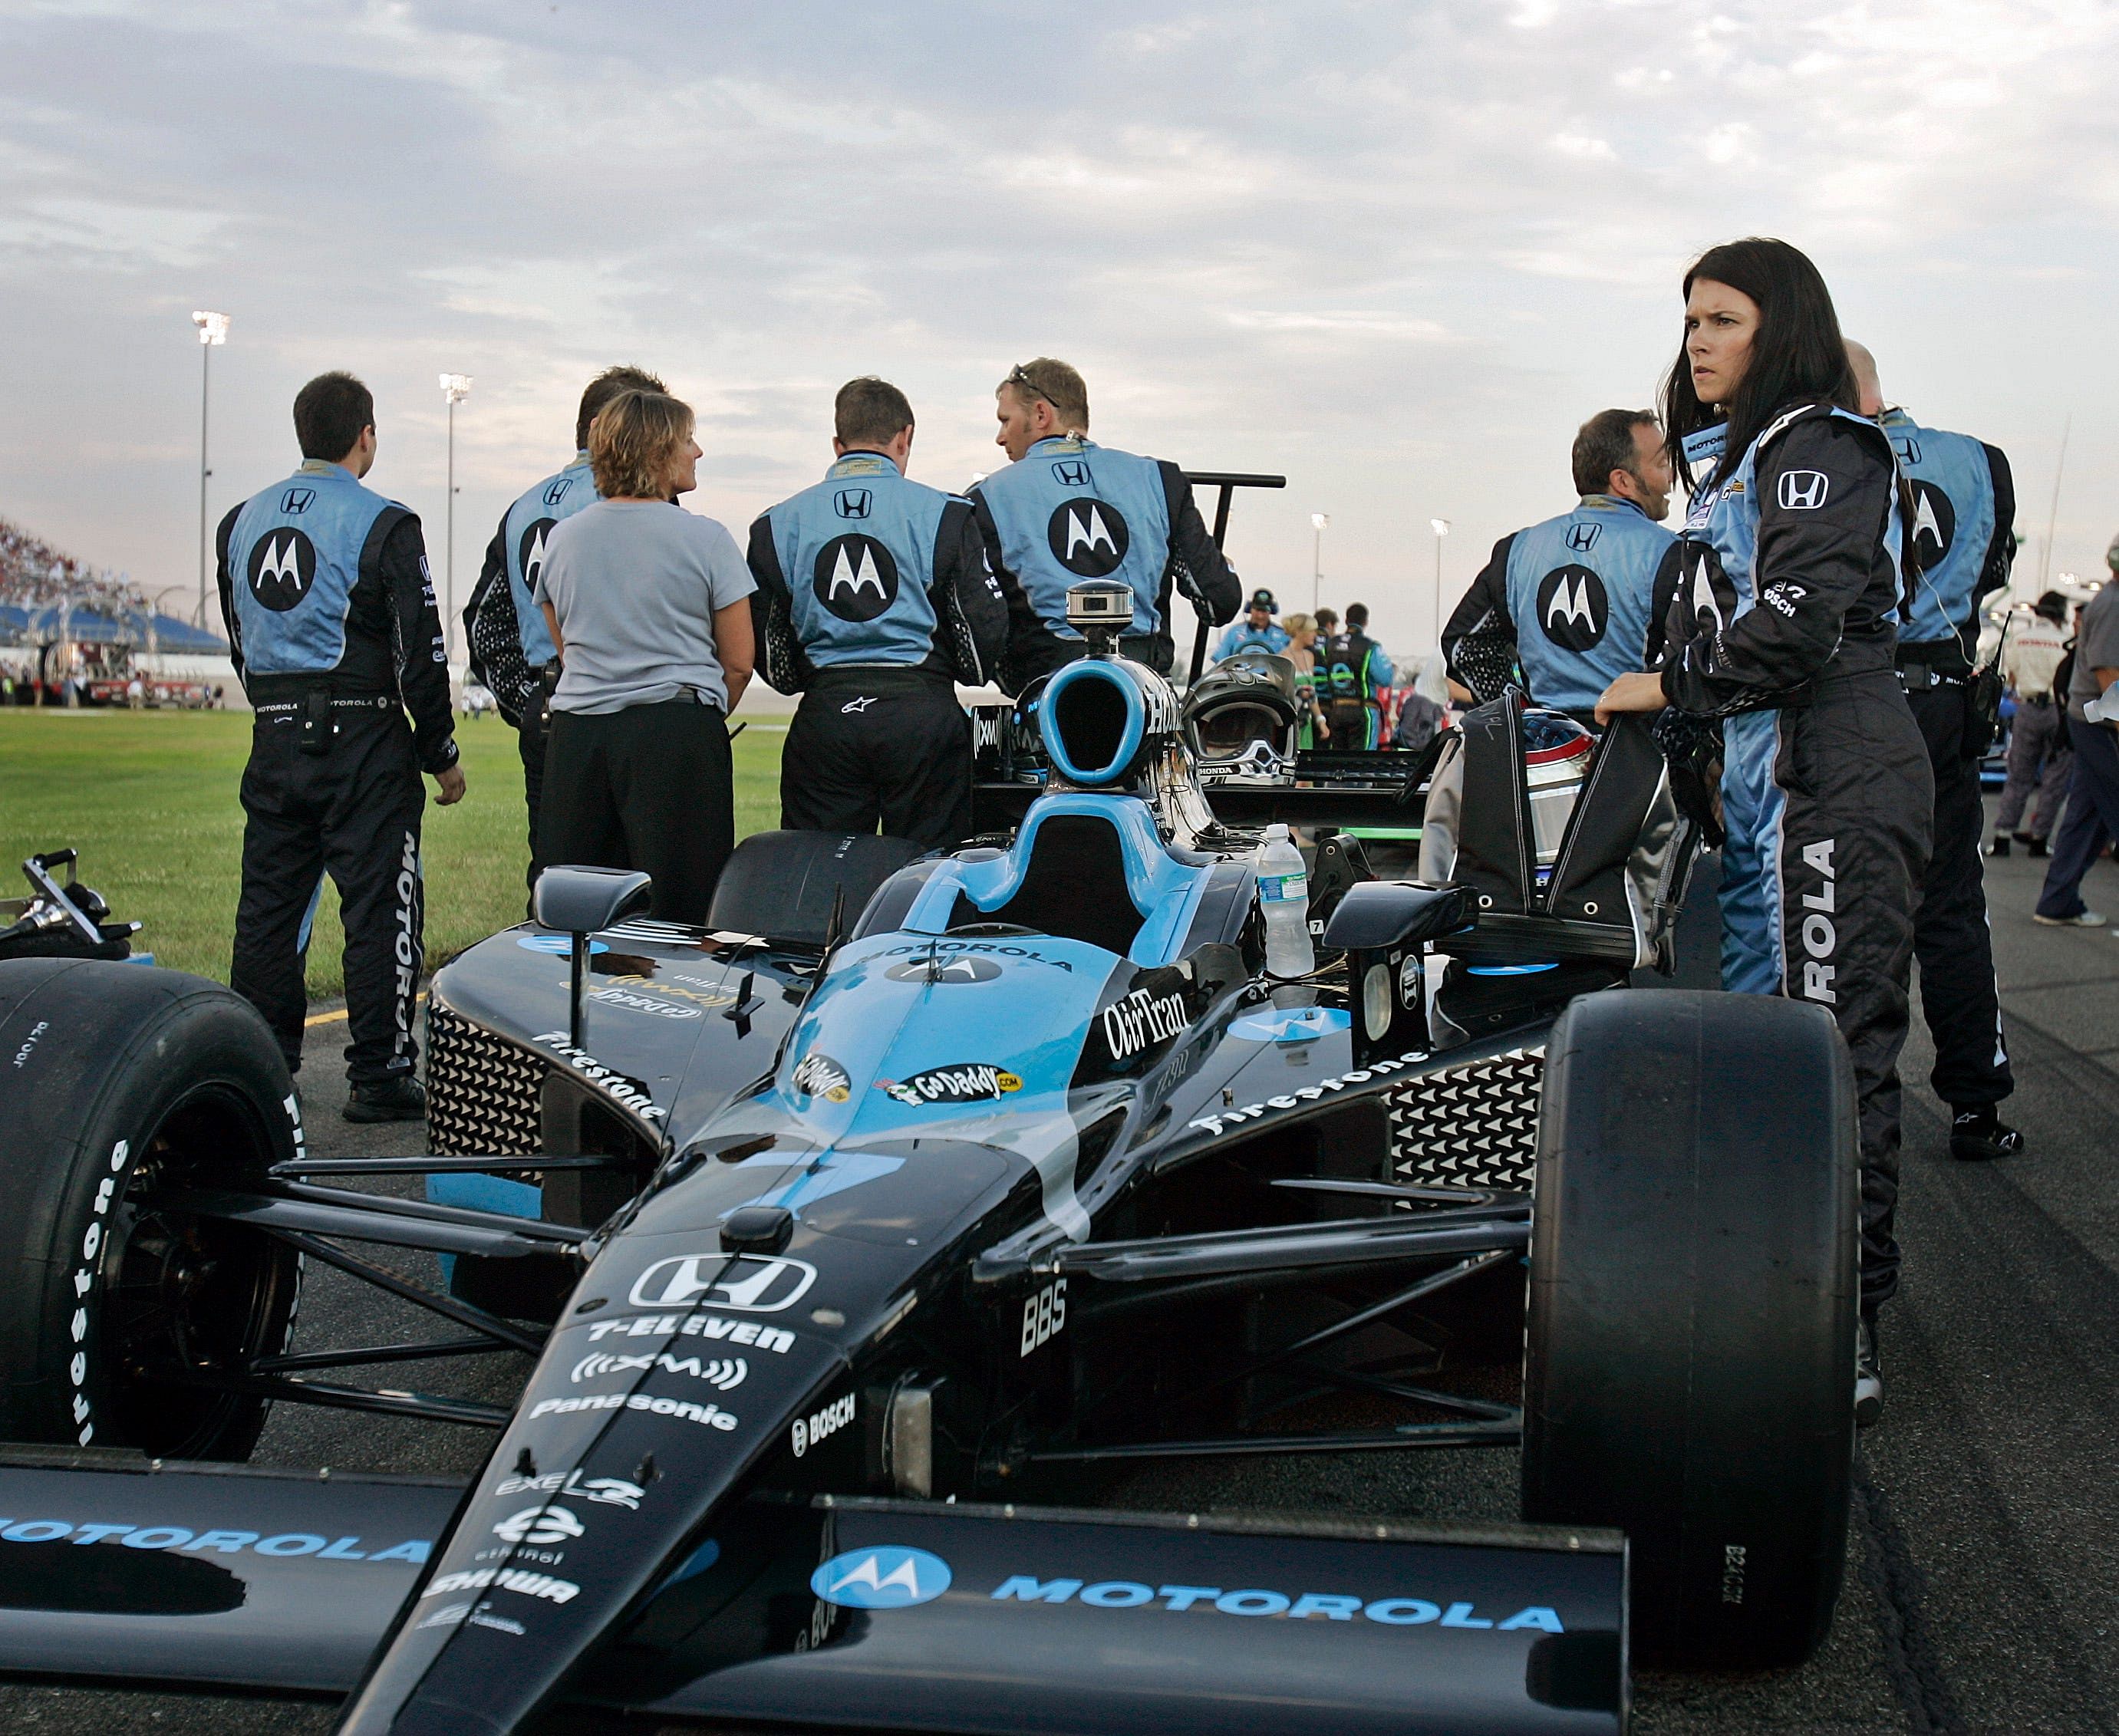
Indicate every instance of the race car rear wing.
{"type": "Point", "coordinates": [886, 1614]}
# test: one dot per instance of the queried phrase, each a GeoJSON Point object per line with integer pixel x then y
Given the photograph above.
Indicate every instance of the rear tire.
{"type": "Point", "coordinates": [122, 1081]}
{"type": "Point", "coordinates": [1689, 1374]}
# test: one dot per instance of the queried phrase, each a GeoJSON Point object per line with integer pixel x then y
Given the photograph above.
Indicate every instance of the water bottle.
{"type": "Point", "coordinates": [1284, 897]}
{"type": "Point", "coordinates": [2104, 709]}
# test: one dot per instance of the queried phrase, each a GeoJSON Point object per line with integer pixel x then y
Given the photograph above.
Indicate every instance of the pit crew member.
{"type": "Point", "coordinates": [2039, 758]}
{"type": "Point", "coordinates": [333, 628]}
{"type": "Point", "coordinates": [1065, 509]}
{"type": "Point", "coordinates": [1783, 628]}
{"type": "Point", "coordinates": [1356, 677]}
{"type": "Point", "coordinates": [874, 600]}
{"type": "Point", "coordinates": [1563, 608]}
{"type": "Point", "coordinates": [1257, 632]}
{"type": "Point", "coordinates": [1961, 544]}
{"type": "Point", "coordinates": [510, 650]}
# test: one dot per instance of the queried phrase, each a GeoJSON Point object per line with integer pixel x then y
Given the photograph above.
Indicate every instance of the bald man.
{"type": "Point", "coordinates": [1960, 537]}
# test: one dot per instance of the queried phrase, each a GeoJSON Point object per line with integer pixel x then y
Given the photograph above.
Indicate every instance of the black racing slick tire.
{"type": "Point", "coordinates": [1689, 1370]}
{"type": "Point", "coordinates": [122, 1318]}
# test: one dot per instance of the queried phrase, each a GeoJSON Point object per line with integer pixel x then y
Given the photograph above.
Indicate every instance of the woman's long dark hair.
{"type": "Point", "coordinates": [1798, 356]}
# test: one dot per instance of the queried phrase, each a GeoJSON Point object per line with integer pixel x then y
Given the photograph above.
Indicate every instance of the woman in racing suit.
{"type": "Point", "coordinates": [1784, 594]}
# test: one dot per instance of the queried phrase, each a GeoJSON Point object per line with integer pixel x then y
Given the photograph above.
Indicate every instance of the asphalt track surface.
{"type": "Point", "coordinates": [1983, 1583]}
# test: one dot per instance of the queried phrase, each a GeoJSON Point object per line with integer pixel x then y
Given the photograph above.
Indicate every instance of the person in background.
{"type": "Point", "coordinates": [1301, 651]}
{"type": "Point", "coordinates": [2092, 819]}
{"type": "Point", "coordinates": [1566, 607]}
{"type": "Point", "coordinates": [510, 652]}
{"type": "Point", "coordinates": [1256, 631]}
{"type": "Point", "coordinates": [874, 600]}
{"type": "Point", "coordinates": [1426, 706]}
{"type": "Point", "coordinates": [1784, 629]}
{"type": "Point", "coordinates": [1357, 676]}
{"type": "Point", "coordinates": [1959, 544]}
{"type": "Point", "coordinates": [332, 630]}
{"type": "Point", "coordinates": [1065, 509]}
{"type": "Point", "coordinates": [648, 608]}
{"type": "Point", "coordinates": [2039, 758]}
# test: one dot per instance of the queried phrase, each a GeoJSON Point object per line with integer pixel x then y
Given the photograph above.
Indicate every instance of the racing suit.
{"type": "Point", "coordinates": [1788, 584]}
{"type": "Point", "coordinates": [873, 599]}
{"type": "Point", "coordinates": [333, 628]}
{"type": "Point", "coordinates": [1354, 677]}
{"type": "Point", "coordinates": [511, 650]}
{"type": "Point", "coordinates": [1243, 637]}
{"type": "Point", "coordinates": [1070, 510]}
{"type": "Point", "coordinates": [1963, 508]}
{"type": "Point", "coordinates": [1564, 606]}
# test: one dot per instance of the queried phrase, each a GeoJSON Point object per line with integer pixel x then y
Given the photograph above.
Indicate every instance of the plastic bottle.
{"type": "Point", "coordinates": [1284, 898]}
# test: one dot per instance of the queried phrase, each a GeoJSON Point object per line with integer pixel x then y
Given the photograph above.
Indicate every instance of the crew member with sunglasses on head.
{"type": "Point", "coordinates": [1066, 510]}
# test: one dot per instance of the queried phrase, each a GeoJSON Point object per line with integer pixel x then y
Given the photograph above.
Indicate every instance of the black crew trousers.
{"type": "Point", "coordinates": [888, 747]}
{"type": "Point", "coordinates": [352, 812]}
{"type": "Point", "coordinates": [1959, 998]}
{"type": "Point", "coordinates": [531, 738]}
{"type": "Point", "coordinates": [650, 787]}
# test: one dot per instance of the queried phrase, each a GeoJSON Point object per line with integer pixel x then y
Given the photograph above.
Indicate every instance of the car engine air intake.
{"type": "Point", "coordinates": [1094, 721]}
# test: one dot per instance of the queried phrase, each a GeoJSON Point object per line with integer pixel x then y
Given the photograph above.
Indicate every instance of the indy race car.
{"type": "Point", "coordinates": [860, 1236]}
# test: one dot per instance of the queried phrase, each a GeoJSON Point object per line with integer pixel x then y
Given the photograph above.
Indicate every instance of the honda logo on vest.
{"type": "Point", "coordinates": [853, 502]}
{"type": "Point", "coordinates": [1582, 538]}
{"type": "Point", "coordinates": [556, 491]}
{"type": "Point", "coordinates": [295, 502]}
{"type": "Point", "coordinates": [1071, 473]}
{"type": "Point", "coordinates": [1804, 491]}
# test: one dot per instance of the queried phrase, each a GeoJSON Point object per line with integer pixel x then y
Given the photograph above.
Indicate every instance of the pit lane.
{"type": "Point", "coordinates": [1984, 1563]}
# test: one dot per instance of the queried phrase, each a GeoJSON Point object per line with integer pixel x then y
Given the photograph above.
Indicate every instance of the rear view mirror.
{"type": "Point", "coordinates": [583, 899]}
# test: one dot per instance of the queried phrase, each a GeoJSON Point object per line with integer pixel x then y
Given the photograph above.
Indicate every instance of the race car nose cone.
{"type": "Point", "coordinates": [758, 1230]}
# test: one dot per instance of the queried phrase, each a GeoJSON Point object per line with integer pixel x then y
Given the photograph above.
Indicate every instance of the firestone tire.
{"type": "Point", "coordinates": [1688, 1375]}
{"type": "Point", "coordinates": [119, 1083]}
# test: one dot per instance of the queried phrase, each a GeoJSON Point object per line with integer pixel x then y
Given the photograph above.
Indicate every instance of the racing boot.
{"type": "Point", "coordinates": [1979, 1136]}
{"type": "Point", "coordinates": [1868, 1375]}
{"type": "Point", "coordinates": [399, 1098]}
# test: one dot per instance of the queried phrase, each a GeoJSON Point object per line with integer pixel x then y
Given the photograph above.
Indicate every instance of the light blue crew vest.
{"type": "Point", "coordinates": [529, 521]}
{"type": "Point", "coordinates": [1953, 525]}
{"type": "Point", "coordinates": [857, 550]}
{"type": "Point", "coordinates": [1581, 587]}
{"type": "Point", "coordinates": [1070, 510]}
{"type": "Point", "coordinates": [294, 556]}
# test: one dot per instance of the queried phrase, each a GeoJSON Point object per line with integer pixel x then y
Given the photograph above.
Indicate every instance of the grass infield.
{"type": "Point", "coordinates": [149, 799]}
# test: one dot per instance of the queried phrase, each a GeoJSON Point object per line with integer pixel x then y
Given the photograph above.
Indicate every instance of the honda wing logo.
{"type": "Point", "coordinates": [882, 1578]}
{"type": "Point", "coordinates": [852, 503]}
{"type": "Point", "coordinates": [1087, 537]}
{"type": "Point", "coordinates": [1582, 538]}
{"type": "Point", "coordinates": [855, 578]}
{"type": "Point", "coordinates": [1071, 473]}
{"type": "Point", "coordinates": [1573, 607]}
{"type": "Point", "coordinates": [1804, 491]}
{"type": "Point", "coordinates": [282, 567]}
{"type": "Point", "coordinates": [742, 1283]}
{"type": "Point", "coordinates": [530, 554]}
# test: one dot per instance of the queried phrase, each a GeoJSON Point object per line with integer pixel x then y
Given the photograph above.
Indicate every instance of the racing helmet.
{"type": "Point", "coordinates": [1242, 720]}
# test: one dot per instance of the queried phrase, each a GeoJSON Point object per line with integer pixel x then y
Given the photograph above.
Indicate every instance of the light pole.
{"type": "Point", "coordinates": [1440, 527]}
{"type": "Point", "coordinates": [455, 387]}
{"type": "Point", "coordinates": [212, 330]}
{"type": "Point", "coordinates": [1318, 521]}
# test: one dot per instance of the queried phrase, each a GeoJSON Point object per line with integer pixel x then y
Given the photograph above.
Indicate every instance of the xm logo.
{"type": "Point", "coordinates": [283, 566]}
{"type": "Point", "coordinates": [881, 1578]}
{"type": "Point", "coordinates": [1087, 537]}
{"type": "Point", "coordinates": [854, 577]}
{"type": "Point", "coordinates": [1573, 607]}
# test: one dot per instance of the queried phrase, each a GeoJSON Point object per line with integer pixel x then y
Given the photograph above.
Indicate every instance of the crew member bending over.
{"type": "Point", "coordinates": [1066, 509]}
{"type": "Point", "coordinates": [874, 600]}
{"type": "Point", "coordinates": [1565, 607]}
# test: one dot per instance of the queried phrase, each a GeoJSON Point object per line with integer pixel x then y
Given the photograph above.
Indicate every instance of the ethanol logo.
{"type": "Point", "coordinates": [283, 566]}
{"type": "Point", "coordinates": [883, 1578]}
{"type": "Point", "coordinates": [854, 577]}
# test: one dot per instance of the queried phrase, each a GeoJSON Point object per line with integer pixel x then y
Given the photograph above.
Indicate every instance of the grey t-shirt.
{"type": "Point", "coordinates": [635, 585]}
{"type": "Point", "coordinates": [2096, 647]}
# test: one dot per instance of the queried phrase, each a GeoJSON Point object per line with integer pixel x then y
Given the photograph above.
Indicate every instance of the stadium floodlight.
{"type": "Point", "coordinates": [1318, 521]}
{"type": "Point", "coordinates": [455, 387]}
{"type": "Point", "coordinates": [212, 330]}
{"type": "Point", "coordinates": [1440, 527]}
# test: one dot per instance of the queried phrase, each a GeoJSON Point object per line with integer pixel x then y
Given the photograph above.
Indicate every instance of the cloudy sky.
{"type": "Point", "coordinates": [1397, 250]}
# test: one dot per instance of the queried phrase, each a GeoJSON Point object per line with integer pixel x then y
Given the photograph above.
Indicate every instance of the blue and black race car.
{"type": "Point", "coordinates": [858, 1235]}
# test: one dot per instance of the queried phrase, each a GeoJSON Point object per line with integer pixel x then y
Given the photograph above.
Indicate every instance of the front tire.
{"type": "Point", "coordinates": [123, 1082]}
{"type": "Point", "coordinates": [1688, 1373]}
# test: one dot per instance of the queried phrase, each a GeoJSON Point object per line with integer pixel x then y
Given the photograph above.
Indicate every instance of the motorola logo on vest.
{"type": "Point", "coordinates": [283, 566]}
{"type": "Point", "coordinates": [854, 577]}
{"type": "Point", "coordinates": [530, 551]}
{"type": "Point", "coordinates": [1088, 538]}
{"type": "Point", "coordinates": [1934, 528]}
{"type": "Point", "coordinates": [1573, 607]}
